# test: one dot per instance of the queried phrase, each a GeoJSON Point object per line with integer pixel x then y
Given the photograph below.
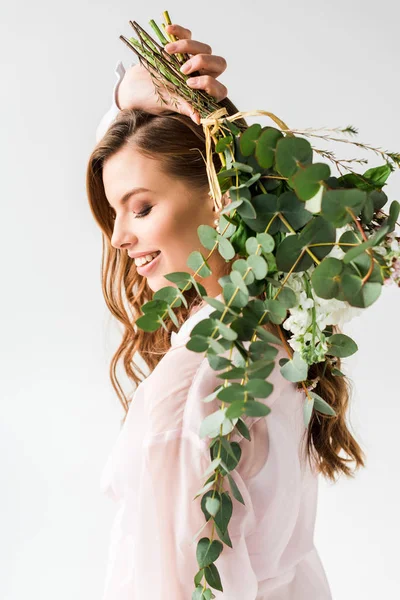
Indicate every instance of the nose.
{"type": "Point", "coordinates": [122, 239]}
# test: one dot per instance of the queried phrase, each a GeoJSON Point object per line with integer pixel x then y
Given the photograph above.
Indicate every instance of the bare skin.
{"type": "Point", "coordinates": [166, 216]}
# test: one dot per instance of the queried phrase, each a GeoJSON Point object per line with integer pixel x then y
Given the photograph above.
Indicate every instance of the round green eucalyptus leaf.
{"type": "Point", "coordinates": [338, 206]}
{"type": "Point", "coordinates": [235, 391]}
{"type": "Point", "coordinates": [258, 266]}
{"type": "Point", "coordinates": [341, 345]}
{"type": "Point", "coordinates": [240, 192]}
{"type": "Point", "coordinates": [326, 277]}
{"type": "Point", "coordinates": [238, 297]}
{"type": "Point", "coordinates": [238, 239]}
{"type": "Point", "coordinates": [196, 261]}
{"type": "Point", "coordinates": [287, 297]}
{"type": "Point", "coordinates": [246, 209]}
{"type": "Point", "coordinates": [276, 311]}
{"type": "Point", "coordinates": [267, 241]}
{"type": "Point", "coordinates": [288, 254]}
{"type": "Point", "coordinates": [265, 147]}
{"type": "Point", "coordinates": [207, 236]}
{"type": "Point", "coordinates": [356, 292]}
{"type": "Point", "coordinates": [225, 248]}
{"type": "Point", "coordinates": [248, 138]}
{"type": "Point", "coordinates": [293, 210]}
{"type": "Point", "coordinates": [348, 237]}
{"type": "Point", "coordinates": [295, 369]}
{"type": "Point", "coordinates": [318, 230]}
{"type": "Point", "coordinates": [237, 280]}
{"type": "Point", "coordinates": [292, 153]}
{"type": "Point", "coordinates": [241, 265]}
{"type": "Point", "coordinates": [252, 245]}
{"type": "Point", "coordinates": [230, 227]}
{"type": "Point", "coordinates": [307, 181]}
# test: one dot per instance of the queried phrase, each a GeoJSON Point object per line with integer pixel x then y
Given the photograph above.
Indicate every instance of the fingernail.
{"type": "Point", "coordinates": [192, 81]}
{"type": "Point", "coordinates": [170, 47]}
{"type": "Point", "coordinates": [186, 67]}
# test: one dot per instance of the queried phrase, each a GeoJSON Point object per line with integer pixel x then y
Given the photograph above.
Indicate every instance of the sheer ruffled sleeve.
{"type": "Point", "coordinates": [172, 472]}
{"type": "Point", "coordinates": [112, 112]}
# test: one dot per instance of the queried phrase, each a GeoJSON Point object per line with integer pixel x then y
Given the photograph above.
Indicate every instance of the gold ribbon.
{"type": "Point", "coordinates": [211, 124]}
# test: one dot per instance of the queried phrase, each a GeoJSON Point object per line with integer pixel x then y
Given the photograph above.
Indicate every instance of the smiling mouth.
{"type": "Point", "coordinates": [149, 263]}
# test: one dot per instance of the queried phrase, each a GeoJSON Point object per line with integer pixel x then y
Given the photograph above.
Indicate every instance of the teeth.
{"type": "Point", "coordinates": [142, 260]}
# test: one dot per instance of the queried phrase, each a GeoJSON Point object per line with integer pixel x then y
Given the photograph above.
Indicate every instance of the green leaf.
{"type": "Point", "coordinates": [292, 153]}
{"type": "Point", "coordinates": [207, 551]}
{"type": "Point", "coordinates": [265, 147]}
{"type": "Point", "coordinates": [147, 323]}
{"type": "Point", "coordinates": [233, 296]}
{"type": "Point", "coordinates": [325, 277]}
{"type": "Point", "coordinates": [247, 139]}
{"type": "Point", "coordinates": [321, 405]}
{"type": "Point", "coordinates": [287, 297]}
{"type": "Point", "coordinates": [341, 345]}
{"type": "Point", "coordinates": [223, 143]}
{"type": "Point", "coordinates": [232, 392]}
{"type": "Point", "coordinates": [237, 280]}
{"type": "Point", "coordinates": [307, 181]}
{"type": "Point", "coordinates": [252, 245]}
{"type": "Point", "coordinates": [212, 577]}
{"type": "Point", "coordinates": [235, 490]}
{"type": "Point", "coordinates": [225, 248]}
{"type": "Point", "coordinates": [259, 388]}
{"type": "Point", "coordinates": [243, 429]}
{"type": "Point", "coordinates": [338, 206]}
{"type": "Point", "coordinates": [307, 409]}
{"type": "Point", "coordinates": [196, 261]}
{"type": "Point", "coordinates": [212, 505]}
{"type": "Point", "coordinates": [266, 240]}
{"type": "Point", "coordinates": [256, 409]}
{"type": "Point", "coordinates": [207, 236]}
{"type": "Point", "coordinates": [258, 265]}
{"type": "Point", "coordinates": [210, 426]}
{"type": "Point", "coordinates": [224, 514]}
{"type": "Point", "coordinates": [295, 369]}
{"type": "Point", "coordinates": [227, 332]}
{"type": "Point", "coordinates": [197, 343]}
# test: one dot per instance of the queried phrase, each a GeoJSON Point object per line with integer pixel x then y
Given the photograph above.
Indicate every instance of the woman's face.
{"type": "Point", "coordinates": [156, 212]}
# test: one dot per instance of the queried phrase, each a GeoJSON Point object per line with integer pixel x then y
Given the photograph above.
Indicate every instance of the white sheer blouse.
{"type": "Point", "coordinates": [157, 466]}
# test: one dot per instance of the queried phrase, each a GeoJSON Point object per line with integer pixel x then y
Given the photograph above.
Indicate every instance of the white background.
{"type": "Point", "coordinates": [313, 64]}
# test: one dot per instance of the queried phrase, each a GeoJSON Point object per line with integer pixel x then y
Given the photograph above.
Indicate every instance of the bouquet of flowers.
{"type": "Point", "coordinates": [319, 248]}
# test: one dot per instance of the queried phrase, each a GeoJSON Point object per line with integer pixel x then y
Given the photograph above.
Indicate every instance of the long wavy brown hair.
{"type": "Point", "coordinates": [179, 144]}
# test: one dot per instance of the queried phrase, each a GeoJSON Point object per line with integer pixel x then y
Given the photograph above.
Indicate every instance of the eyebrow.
{"type": "Point", "coordinates": [132, 192]}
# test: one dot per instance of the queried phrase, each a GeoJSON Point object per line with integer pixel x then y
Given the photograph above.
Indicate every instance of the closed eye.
{"type": "Point", "coordinates": [140, 215]}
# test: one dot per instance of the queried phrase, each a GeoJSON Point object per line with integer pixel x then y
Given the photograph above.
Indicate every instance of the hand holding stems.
{"type": "Point", "coordinates": [137, 89]}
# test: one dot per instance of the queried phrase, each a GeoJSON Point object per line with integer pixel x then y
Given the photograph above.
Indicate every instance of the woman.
{"type": "Point", "coordinates": [148, 191]}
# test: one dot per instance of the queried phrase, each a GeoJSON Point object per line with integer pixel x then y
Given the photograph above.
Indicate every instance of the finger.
{"type": "Point", "coordinates": [210, 85]}
{"type": "Point", "coordinates": [179, 31]}
{"type": "Point", "coordinates": [188, 46]}
{"type": "Point", "coordinates": [206, 64]}
{"type": "Point", "coordinates": [184, 108]}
